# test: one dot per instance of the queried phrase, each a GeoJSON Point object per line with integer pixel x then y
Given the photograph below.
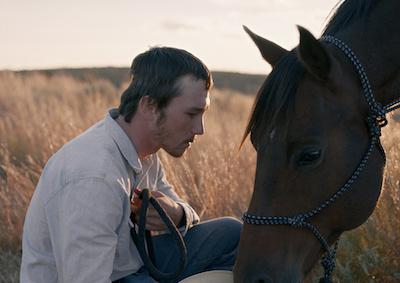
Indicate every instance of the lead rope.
{"type": "Point", "coordinates": [140, 238]}
{"type": "Point", "coordinates": [392, 106]}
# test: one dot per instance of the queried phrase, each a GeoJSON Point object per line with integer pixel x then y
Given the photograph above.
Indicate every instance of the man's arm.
{"type": "Point", "coordinates": [83, 220]}
{"type": "Point", "coordinates": [189, 214]}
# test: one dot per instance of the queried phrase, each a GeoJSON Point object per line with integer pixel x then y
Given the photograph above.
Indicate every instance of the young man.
{"type": "Point", "coordinates": [77, 225]}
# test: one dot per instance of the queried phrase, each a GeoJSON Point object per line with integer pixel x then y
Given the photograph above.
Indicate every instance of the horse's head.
{"type": "Point", "coordinates": [309, 130]}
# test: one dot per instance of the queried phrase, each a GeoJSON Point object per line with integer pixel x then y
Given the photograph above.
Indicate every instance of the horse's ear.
{"type": "Point", "coordinates": [270, 51]}
{"type": "Point", "coordinates": [313, 55]}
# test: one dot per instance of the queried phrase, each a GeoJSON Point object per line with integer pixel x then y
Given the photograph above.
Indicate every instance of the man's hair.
{"type": "Point", "coordinates": [155, 74]}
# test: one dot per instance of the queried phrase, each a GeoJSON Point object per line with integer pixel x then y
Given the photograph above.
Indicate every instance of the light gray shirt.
{"type": "Point", "coordinates": [77, 225]}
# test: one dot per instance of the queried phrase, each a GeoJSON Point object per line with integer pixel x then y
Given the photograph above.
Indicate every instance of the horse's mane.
{"type": "Point", "coordinates": [346, 12]}
{"type": "Point", "coordinates": [277, 92]}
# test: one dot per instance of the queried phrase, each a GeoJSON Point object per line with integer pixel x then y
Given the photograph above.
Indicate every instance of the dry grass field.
{"type": "Point", "coordinates": [38, 114]}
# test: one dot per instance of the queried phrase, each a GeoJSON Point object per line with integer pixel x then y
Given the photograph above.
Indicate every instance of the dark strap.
{"type": "Point", "coordinates": [150, 249]}
{"type": "Point", "coordinates": [142, 237]}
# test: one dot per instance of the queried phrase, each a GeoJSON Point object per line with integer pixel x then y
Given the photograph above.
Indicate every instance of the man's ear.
{"type": "Point", "coordinates": [147, 107]}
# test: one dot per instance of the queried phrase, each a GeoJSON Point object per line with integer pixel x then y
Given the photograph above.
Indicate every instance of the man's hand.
{"type": "Point", "coordinates": [153, 220]}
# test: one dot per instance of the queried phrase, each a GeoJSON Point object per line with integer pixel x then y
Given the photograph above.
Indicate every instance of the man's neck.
{"type": "Point", "coordinates": [138, 133]}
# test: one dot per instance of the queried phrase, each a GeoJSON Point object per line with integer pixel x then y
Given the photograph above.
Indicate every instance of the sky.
{"type": "Point", "coordinates": [43, 34]}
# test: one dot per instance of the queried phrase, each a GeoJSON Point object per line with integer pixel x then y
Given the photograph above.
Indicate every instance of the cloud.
{"type": "Point", "coordinates": [172, 25]}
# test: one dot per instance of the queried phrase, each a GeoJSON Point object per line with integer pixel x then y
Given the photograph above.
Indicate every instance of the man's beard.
{"type": "Point", "coordinates": [162, 135]}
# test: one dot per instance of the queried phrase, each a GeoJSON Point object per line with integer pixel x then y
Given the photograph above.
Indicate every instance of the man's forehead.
{"type": "Point", "coordinates": [194, 90]}
{"type": "Point", "coordinates": [189, 81]}
{"type": "Point", "coordinates": [201, 104]}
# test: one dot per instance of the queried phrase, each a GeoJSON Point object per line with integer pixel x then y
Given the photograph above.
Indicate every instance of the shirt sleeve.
{"type": "Point", "coordinates": [83, 219]}
{"type": "Point", "coordinates": [191, 217]}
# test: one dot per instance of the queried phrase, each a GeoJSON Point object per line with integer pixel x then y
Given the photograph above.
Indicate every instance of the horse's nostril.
{"type": "Point", "coordinates": [248, 275]}
{"type": "Point", "coordinates": [262, 279]}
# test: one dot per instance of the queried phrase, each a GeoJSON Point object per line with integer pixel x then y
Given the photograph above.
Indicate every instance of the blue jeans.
{"type": "Point", "coordinates": [210, 245]}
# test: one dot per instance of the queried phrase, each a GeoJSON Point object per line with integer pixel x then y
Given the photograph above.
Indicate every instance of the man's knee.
{"type": "Point", "coordinates": [230, 225]}
{"type": "Point", "coordinates": [224, 228]}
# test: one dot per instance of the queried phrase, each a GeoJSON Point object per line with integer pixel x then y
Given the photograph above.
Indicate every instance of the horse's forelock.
{"type": "Point", "coordinates": [275, 95]}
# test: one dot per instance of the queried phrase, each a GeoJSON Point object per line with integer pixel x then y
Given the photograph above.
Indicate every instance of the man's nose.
{"type": "Point", "coordinates": [198, 128]}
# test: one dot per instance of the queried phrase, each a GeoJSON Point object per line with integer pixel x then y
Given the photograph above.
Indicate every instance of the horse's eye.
{"type": "Point", "coordinates": [308, 157]}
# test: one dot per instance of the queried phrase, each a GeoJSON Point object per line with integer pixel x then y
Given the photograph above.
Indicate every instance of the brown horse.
{"type": "Point", "coordinates": [316, 126]}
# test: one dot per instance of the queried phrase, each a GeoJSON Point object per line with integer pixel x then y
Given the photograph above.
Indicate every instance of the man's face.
{"type": "Point", "coordinates": [183, 118]}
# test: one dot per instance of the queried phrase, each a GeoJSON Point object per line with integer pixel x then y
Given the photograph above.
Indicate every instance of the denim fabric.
{"type": "Point", "coordinates": [211, 245]}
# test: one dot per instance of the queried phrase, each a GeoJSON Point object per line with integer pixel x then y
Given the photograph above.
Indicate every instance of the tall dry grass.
{"type": "Point", "coordinates": [39, 114]}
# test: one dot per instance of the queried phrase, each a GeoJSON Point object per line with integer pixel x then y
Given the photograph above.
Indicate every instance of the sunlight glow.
{"type": "Point", "coordinates": [52, 34]}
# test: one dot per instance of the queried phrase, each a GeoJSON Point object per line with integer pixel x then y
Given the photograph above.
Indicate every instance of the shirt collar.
{"type": "Point", "coordinates": [122, 140]}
